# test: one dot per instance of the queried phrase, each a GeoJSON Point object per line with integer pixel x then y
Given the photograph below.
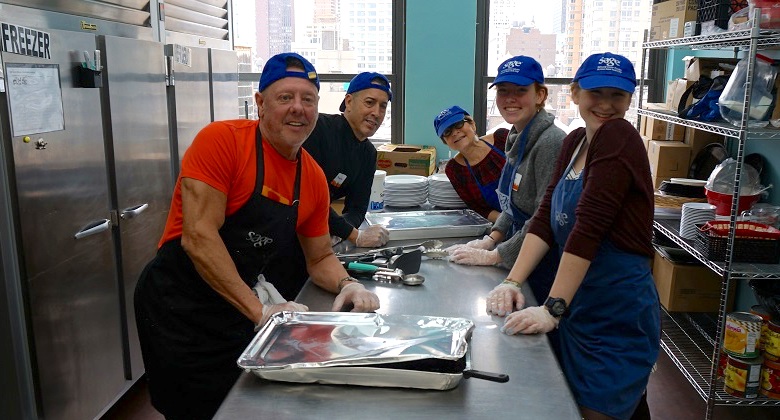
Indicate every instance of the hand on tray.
{"type": "Point", "coordinates": [533, 320]}
{"type": "Point", "coordinates": [361, 299]}
{"type": "Point", "coordinates": [504, 299]}
{"type": "Point", "coordinates": [271, 309]}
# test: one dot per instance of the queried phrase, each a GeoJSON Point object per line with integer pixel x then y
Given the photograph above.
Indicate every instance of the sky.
{"type": "Point", "coordinates": [540, 14]}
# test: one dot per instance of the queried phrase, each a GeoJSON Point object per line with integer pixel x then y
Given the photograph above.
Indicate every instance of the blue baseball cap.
{"type": "Point", "coordinates": [367, 80]}
{"type": "Point", "coordinates": [448, 117]}
{"type": "Point", "coordinates": [276, 68]}
{"type": "Point", "coordinates": [520, 70]}
{"type": "Point", "coordinates": [606, 70]}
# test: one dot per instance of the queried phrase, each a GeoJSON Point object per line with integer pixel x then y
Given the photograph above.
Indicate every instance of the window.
{"type": "Point", "coordinates": [584, 27]}
{"type": "Point", "coordinates": [332, 34]}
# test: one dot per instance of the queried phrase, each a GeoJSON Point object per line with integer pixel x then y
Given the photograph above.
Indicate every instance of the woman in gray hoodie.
{"type": "Point", "coordinates": [532, 147]}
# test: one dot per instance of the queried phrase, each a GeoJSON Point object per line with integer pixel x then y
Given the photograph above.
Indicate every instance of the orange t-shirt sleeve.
{"type": "Point", "coordinates": [210, 157]}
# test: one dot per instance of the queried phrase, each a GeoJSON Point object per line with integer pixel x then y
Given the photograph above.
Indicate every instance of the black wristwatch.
{"type": "Point", "coordinates": [556, 306]}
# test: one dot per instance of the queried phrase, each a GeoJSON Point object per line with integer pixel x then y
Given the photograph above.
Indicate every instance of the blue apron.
{"type": "Point", "coordinates": [488, 190]}
{"type": "Point", "coordinates": [609, 340]}
{"type": "Point", "coordinates": [504, 190]}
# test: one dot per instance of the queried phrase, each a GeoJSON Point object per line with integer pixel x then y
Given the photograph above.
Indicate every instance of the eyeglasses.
{"type": "Point", "coordinates": [457, 126]}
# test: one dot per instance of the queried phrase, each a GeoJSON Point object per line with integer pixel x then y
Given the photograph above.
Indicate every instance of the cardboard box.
{"type": "Point", "coordinates": [674, 93]}
{"type": "Point", "coordinates": [688, 287]}
{"type": "Point", "coordinates": [669, 159]}
{"type": "Point", "coordinates": [645, 139]}
{"type": "Point", "coordinates": [697, 139]}
{"type": "Point", "coordinates": [406, 159]}
{"type": "Point", "coordinates": [669, 17]}
{"type": "Point", "coordinates": [337, 205]}
{"type": "Point", "coordinates": [661, 130]}
{"type": "Point", "coordinates": [696, 66]}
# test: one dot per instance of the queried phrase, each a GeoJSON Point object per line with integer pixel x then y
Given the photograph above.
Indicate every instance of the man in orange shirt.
{"type": "Point", "coordinates": [246, 191]}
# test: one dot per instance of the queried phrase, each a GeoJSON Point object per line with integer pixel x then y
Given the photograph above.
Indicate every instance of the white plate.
{"type": "Point", "coordinates": [689, 181]}
{"type": "Point", "coordinates": [698, 206]}
{"type": "Point", "coordinates": [405, 179]}
{"type": "Point", "coordinates": [439, 178]}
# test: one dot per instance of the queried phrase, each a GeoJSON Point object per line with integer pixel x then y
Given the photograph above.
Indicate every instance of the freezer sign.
{"type": "Point", "coordinates": [24, 41]}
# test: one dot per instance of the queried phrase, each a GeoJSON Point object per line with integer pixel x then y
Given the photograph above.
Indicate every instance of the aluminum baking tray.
{"type": "Point", "coordinates": [360, 349]}
{"type": "Point", "coordinates": [427, 224]}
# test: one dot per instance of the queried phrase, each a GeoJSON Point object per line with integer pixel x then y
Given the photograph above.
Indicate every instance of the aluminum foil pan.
{"type": "Point", "coordinates": [360, 349]}
{"type": "Point", "coordinates": [427, 224]}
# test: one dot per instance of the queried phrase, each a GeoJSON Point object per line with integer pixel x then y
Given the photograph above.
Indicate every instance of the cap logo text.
{"type": "Point", "coordinates": [609, 61]}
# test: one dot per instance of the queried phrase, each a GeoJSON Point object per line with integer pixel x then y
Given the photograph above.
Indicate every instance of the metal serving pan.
{"type": "Point", "coordinates": [362, 349]}
{"type": "Point", "coordinates": [428, 224]}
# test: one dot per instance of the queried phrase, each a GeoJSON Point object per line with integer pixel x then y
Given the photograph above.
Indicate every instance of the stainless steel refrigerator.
{"type": "Point", "coordinates": [189, 109]}
{"type": "Point", "coordinates": [223, 85]}
{"type": "Point", "coordinates": [89, 189]}
{"type": "Point", "coordinates": [135, 109]}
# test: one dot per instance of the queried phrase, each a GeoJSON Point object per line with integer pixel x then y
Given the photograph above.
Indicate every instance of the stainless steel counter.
{"type": "Point", "coordinates": [536, 387]}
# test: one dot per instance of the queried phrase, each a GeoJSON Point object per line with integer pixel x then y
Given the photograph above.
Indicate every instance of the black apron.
{"type": "Point", "coordinates": [190, 336]}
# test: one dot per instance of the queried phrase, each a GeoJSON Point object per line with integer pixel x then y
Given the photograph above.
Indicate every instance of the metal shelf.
{"type": "Point", "coordinates": [736, 39]}
{"type": "Point", "coordinates": [721, 128]}
{"type": "Point", "coordinates": [671, 228]}
{"type": "Point", "coordinates": [688, 340]}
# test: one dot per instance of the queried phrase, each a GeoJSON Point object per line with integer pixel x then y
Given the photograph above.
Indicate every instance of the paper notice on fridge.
{"type": "Point", "coordinates": [35, 98]}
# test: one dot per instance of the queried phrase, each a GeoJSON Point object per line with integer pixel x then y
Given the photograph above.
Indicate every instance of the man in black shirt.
{"type": "Point", "coordinates": [339, 144]}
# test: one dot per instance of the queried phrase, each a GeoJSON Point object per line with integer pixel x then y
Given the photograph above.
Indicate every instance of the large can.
{"type": "Point", "coordinates": [741, 335]}
{"type": "Point", "coordinates": [772, 340]}
{"type": "Point", "coordinates": [742, 377]}
{"type": "Point", "coordinates": [765, 318]}
{"type": "Point", "coordinates": [723, 361]}
{"type": "Point", "coordinates": [770, 379]}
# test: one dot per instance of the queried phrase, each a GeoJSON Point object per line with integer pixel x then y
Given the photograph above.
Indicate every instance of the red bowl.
{"type": "Point", "coordinates": [722, 202]}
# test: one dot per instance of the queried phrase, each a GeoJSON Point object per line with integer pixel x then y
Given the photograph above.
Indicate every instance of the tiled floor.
{"type": "Point", "coordinates": [670, 397]}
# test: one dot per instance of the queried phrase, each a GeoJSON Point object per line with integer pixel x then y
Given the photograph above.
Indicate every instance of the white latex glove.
{"type": "Point", "coordinates": [474, 256]}
{"type": "Point", "coordinates": [485, 243]}
{"type": "Point", "coordinates": [273, 301]}
{"type": "Point", "coordinates": [450, 249]}
{"type": "Point", "coordinates": [374, 235]}
{"type": "Point", "coordinates": [361, 299]}
{"type": "Point", "coordinates": [533, 320]}
{"type": "Point", "coordinates": [266, 292]}
{"type": "Point", "coordinates": [504, 299]}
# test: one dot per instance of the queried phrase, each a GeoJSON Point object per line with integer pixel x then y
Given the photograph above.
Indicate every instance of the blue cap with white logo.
{"type": "Point", "coordinates": [368, 80]}
{"type": "Point", "coordinates": [520, 70]}
{"type": "Point", "coordinates": [606, 70]}
{"type": "Point", "coordinates": [276, 68]}
{"type": "Point", "coordinates": [448, 117]}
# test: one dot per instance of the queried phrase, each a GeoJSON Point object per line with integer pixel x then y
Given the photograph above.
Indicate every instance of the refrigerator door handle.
{"type": "Point", "coordinates": [131, 212]}
{"type": "Point", "coordinates": [93, 228]}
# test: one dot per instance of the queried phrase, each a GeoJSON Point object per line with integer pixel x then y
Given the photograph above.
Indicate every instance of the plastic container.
{"type": "Point", "coordinates": [732, 98]}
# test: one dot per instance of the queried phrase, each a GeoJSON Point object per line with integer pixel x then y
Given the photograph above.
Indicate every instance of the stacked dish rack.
{"type": "Point", "coordinates": [693, 340]}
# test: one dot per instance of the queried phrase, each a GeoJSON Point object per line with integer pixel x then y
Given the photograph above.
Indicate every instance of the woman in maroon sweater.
{"type": "Point", "coordinates": [474, 172]}
{"type": "Point", "coordinates": [598, 210]}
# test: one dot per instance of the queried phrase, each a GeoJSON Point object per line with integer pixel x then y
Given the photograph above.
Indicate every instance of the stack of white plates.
{"type": "Point", "coordinates": [442, 194]}
{"type": "Point", "coordinates": [405, 190]}
{"type": "Point", "coordinates": [693, 214]}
